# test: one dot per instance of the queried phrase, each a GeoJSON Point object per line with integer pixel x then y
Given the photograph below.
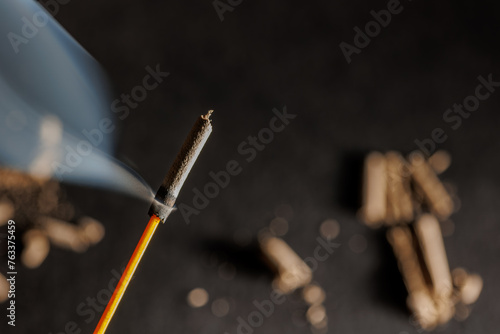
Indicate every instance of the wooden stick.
{"type": "Point", "coordinates": [127, 275]}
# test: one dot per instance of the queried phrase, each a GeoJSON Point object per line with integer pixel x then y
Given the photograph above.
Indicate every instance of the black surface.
{"type": "Point", "coordinates": [265, 55]}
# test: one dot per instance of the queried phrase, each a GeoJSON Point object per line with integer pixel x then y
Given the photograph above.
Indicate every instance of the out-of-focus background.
{"type": "Point", "coordinates": [281, 55]}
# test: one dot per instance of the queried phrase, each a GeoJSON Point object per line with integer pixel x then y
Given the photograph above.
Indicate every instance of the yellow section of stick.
{"type": "Point", "coordinates": [127, 275]}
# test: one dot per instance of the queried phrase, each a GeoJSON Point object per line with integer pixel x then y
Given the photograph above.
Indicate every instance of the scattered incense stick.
{"type": "Point", "coordinates": [440, 161]}
{"type": "Point", "coordinates": [399, 201]}
{"type": "Point", "coordinates": [419, 299]}
{"type": "Point", "coordinates": [64, 235]}
{"type": "Point", "coordinates": [438, 199]}
{"type": "Point", "coordinates": [431, 243]}
{"type": "Point", "coordinates": [161, 208]}
{"type": "Point", "coordinates": [36, 248]}
{"type": "Point", "coordinates": [293, 272]}
{"type": "Point", "coordinates": [374, 190]}
{"type": "Point", "coordinates": [434, 255]}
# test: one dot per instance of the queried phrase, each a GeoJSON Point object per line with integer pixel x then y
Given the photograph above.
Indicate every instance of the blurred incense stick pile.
{"type": "Point", "coordinates": [407, 196]}
{"type": "Point", "coordinates": [43, 217]}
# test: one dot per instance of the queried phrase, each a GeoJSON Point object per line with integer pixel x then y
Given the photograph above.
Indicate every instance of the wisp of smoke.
{"type": "Point", "coordinates": [52, 95]}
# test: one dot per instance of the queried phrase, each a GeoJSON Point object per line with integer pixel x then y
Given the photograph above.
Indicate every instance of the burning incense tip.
{"type": "Point", "coordinates": [171, 186]}
{"type": "Point", "coordinates": [207, 116]}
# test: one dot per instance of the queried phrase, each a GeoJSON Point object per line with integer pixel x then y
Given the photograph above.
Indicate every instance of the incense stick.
{"type": "Point", "coordinates": [160, 208]}
{"type": "Point", "coordinates": [171, 186]}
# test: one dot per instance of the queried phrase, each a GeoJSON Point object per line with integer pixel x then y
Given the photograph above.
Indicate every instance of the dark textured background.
{"type": "Point", "coordinates": [265, 55]}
